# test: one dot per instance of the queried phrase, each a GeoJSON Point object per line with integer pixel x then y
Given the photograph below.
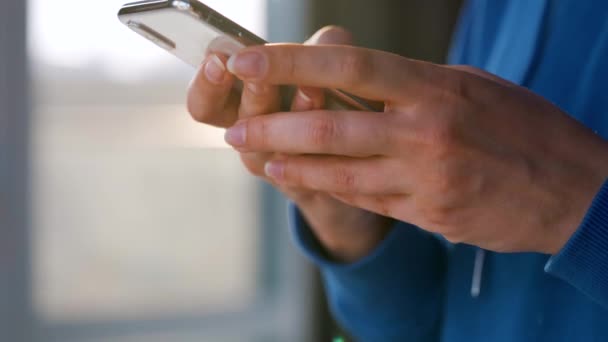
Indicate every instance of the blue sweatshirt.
{"type": "Point", "coordinates": [416, 286]}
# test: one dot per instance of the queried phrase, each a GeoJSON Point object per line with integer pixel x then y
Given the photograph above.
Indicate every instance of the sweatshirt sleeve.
{"type": "Point", "coordinates": [583, 262]}
{"type": "Point", "coordinates": [394, 294]}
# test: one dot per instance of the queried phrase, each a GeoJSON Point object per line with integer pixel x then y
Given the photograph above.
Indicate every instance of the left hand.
{"type": "Point", "coordinates": [457, 151]}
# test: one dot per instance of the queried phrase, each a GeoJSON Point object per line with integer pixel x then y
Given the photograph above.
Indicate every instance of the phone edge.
{"type": "Point", "coordinates": [222, 23]}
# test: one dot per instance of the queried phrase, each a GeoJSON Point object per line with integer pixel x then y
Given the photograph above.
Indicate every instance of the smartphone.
{"type": "Point", "coordinates": [191, 30]}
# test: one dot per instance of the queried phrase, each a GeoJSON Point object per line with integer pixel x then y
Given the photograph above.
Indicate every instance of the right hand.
{"type": "Point", "coordinates": [347, 233]}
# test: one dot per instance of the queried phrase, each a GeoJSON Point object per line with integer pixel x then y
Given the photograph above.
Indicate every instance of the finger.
{"type": "Point", "coordinates": [370, 74]}
{"type": "Point", "coordinates": [369, 176]}
{"type": "Point", "coordinates": [254, 162]}
{"type": "Point", "coordinates": [331, 35]}
{"type": "Point", "coordinates": [355, 134]}
{"type": "Point", "coordinates": [307, 99]}
{"type": "Point", "coordinates": [298, 195]}
{"type": "Point", "coordinates": [258, 99]}
{"type": "Point", "coordinates": [210, 96]}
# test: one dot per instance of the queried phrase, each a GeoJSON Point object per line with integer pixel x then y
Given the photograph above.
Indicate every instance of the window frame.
{"type": "Point", "coordinates": [15, 313]}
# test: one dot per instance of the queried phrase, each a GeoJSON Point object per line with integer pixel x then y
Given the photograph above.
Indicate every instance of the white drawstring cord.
{"type": "Point", "coordinates": [480, 257]}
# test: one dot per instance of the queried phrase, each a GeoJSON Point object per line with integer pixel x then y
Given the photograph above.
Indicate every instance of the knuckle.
{"type": "Point", "coordinates": [289, 64]}
{"type": "Point", "coordinates": [443, 136]}
{"type": "Point", "coordinates": [257, 132]}
{"type": "Point", "coordinates": [357, 67]}
{"type": "Point", "coordinates": [322, 131]}
{"type": "Point", "coordinates": [294, 173]}
{"type": "Point", "coordinates": [388, 132]}
{"type": "Point", "coordinates": [456, 84]}
{"type": "Point", "coordinates": [449, 83]}
{"type": "Point", "coordinates": [344, 179]}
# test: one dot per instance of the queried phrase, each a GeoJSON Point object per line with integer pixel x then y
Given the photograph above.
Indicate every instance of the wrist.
{"type": "Point", "coordinates": [589, 186]}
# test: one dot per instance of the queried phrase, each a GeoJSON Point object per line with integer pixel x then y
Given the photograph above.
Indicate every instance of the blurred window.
{"type": "Point", "coordinates": [145, 226]}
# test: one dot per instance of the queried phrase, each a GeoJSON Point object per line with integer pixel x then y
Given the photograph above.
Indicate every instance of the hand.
{"type": "Point", "coordinates": [347, 233]}
{"type": "Point", "coordinates": [457, 151]}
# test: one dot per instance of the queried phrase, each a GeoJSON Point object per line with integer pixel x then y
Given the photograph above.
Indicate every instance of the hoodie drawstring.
{"type": "Point", "coordinates": [480, 257]}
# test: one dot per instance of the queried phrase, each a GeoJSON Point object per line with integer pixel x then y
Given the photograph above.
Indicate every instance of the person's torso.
{"type": "Point", "coordinates": [559, 49]}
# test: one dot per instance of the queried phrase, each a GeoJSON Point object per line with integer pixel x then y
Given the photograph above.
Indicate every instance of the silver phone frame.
{"type": "Point", "coordinates": [337, 99]}
{"type": "Point", "coordinates": [200, 11]}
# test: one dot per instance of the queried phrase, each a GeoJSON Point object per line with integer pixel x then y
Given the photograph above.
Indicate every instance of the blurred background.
{"type": "Point", "coordinates": [121, 219]}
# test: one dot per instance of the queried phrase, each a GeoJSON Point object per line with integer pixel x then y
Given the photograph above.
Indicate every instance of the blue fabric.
{"type": "Point", "coordinates": [416, 287]}
{"type": "Point", "coordinates": [584, 260]}
{"type": "Point", "coordinates": [381, 278]}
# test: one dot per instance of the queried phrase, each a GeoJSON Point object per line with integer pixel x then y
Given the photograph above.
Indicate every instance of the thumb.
{"type": "Point", "coordinates": [331, 35]}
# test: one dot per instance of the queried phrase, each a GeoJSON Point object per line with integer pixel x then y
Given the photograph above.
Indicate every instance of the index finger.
{"type": "Point", "coordinates": [371, 74]}
{"type": "Point", "coordinates": [355, 134]}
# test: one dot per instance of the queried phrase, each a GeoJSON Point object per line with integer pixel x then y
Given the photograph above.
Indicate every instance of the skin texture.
{"type": "Point", "coordinates": [348, 233]}
{"type": "Point", "coordinates": [457, 151]}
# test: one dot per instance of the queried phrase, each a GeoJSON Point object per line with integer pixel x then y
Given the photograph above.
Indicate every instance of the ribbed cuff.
{"type": "Point", "coordinates": [583, 262]}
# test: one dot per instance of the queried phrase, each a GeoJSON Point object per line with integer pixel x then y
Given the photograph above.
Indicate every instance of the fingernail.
{"type": "Point", "coordinates": [237, 135]}
{"type": "Point", "coordinates": [275, 169]}
{"type": "Point", "coordinates": [255, 88]}
{"type": "Point", "coordinates": [304, 97]}
{"type": "Point", "coordinates": [302, 102]}
{"type": "Point", "coordinates": [215, 70]}
{"type": "Point", "coordinates": [250, 64]}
